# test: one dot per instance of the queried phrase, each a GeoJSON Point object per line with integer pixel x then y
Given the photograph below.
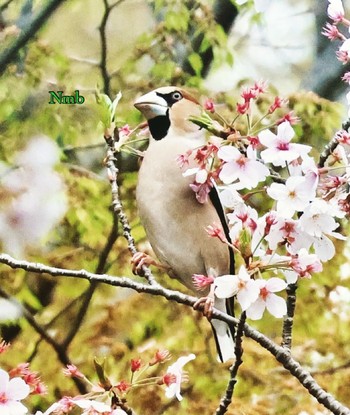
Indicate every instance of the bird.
{"type": "Point", "coordinates": [174, 220]}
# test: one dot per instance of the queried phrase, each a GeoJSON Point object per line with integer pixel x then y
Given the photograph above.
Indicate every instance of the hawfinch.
{"type": "Point", "coordinates": [173, 219]}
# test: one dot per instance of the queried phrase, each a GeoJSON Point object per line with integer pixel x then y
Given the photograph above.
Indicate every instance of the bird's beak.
{"type": "Point", "coordinates": [151, 105]}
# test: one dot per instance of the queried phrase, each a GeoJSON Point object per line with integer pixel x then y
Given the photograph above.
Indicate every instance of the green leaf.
{"type": "Point", "coordinates": [100, 371]}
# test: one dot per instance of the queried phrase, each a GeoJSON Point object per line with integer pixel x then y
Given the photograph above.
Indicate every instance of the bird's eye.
{"type": "Point", "coordinates": [176, 96]}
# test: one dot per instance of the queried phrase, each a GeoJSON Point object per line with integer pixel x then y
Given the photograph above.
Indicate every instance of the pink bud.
{"type": "Point", "coordinates": [135, 364]}
{"type": "Point", "coordinates": [209, 105]}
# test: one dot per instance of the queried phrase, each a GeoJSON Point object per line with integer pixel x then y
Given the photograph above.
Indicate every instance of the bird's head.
{"type": "Point", "coordinates": [167, 110]}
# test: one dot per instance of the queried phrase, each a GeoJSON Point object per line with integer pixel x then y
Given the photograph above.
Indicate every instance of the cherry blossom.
{"type": "Point", "coordinates": [175, 376]}
{"type": "Point", "coordinates": [335, 10]}
{"type": "Point", "coordinates": [293, 196]}
{"type": "Point", "coordinates": [73, 371]}
{"type": "Point", "coordinates": [243, 217]}
{"type": "Point", "coordinates": [318, 222]}
{"type": "Point", "coordinates": [241, 285]}
{"type": "Point", "coordinates": [303, 265]}
{"type": "Point", "coordinates": [274, 304]}
{"type": "Point", "coordinates": [286, 231]}
{"type": "Point", "coordinates": [332, 32]}
{"type": "Point", "coordinates": [12, 391]}
{"type": "Point", "coordinates": [237, 167]}
{"type": "Point", "coordinates": [279, 149]}
{"type": "Point", "coordinates": [36, 201]}
{"type": "Point", "coordinates": [92, 406]}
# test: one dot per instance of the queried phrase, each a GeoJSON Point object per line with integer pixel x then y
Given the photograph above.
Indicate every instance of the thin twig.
{"type": "Point", "coordinates": [289, 318]}
{"type": "Point", "coordinates": [280, 353]}
{"type": "Point", "coordinates": [227, 398]}
{"type": "Point", "coordinates": [10, 54]}
{"type": "Point", "coordinates": [112, 170]}
{"type": "Point", "coordinates": [106, 76]}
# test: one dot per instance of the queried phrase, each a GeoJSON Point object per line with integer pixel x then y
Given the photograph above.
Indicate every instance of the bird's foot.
{"type": "Point", "coordinates": [206, 304]}
{"type": "Point", "coordinates": [140, 259]}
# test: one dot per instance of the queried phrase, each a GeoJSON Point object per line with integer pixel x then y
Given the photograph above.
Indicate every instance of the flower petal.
{"type": "Point", "coordinates": [276, 305]}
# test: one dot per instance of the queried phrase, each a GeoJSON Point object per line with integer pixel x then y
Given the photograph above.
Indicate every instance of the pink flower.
{"type": "Point", "coordinates": [12, 391]}
{"type": "Point", "coordinates": [241, 285]}
{"type": "Point", "coordinates": [159, 357]}
{"type": "Point", "coordinates": [342, 56]}
{"type": "Point", "coordinates": [287, 231]}
{"type": "Point", "coordinates": [335, 10]}
{"type": "Point", "coordinates": [246, 170]}
{"type": "Point", "coordinates": [4, 346]}
{"type": "Point", "coordinates": [303, 265]}
{"type": "Point", "coordinates": [175, 376]}
{"type": "Point", "coordinates": [73, 371]}
{"type": "Point", "coordinates": [183, 159]}
{"type": "Point", "coordinates": [201, 281]}
{"type": "Point", "coordinates": [343, 136]}
{"type": "Point", "coordinates": [289, 117]}
{"type": "Point", "coordinates": [135, 364]}
{"type": "Point", "coordinates": [216, 231]}
{"type": "Point", "coordinates": [332, 33]}
{"type": "Point", "coordinates": [279, 149]}
{"type": "Point", "coordinates": [209, 105]}
{"type": "Point", "coordinates": [274, 304]}
{"type": "Point", "coordinates": [346, 77]}
{"type": "Point", "coordinates": [243, 108]}
{"type": "Point", "coordinates": [278, 103]}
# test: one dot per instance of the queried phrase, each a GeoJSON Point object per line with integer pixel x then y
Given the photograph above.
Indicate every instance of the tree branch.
{"type": "Point", "coordinates": [227, 398]}
{"type": "Point", "coordinates": [112, 171]}
{"type": "Point", "coordinates": [280, 353]}
{"type": "Point", "coordinates": [10, 54]}
{"type": "Point", "coordinates": [289, 318]}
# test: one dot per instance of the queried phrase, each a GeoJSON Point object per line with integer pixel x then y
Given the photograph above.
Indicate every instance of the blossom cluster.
{"type": "Point", "coordinates": [105, 398]}
{"type": "Point", "coordinates": [16, 385]}
{"type": "Point", "coordinates": [292, 232]}
{"type": "Point", "coordinates": [33, 197]}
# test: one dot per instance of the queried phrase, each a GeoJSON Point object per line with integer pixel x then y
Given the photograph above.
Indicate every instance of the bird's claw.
{"type": "Point", "coordinates": [138, 260]}
{"type": "Point", "coordinates": [206, 304]}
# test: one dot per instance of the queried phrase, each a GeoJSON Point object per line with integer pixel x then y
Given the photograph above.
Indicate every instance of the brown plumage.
{"type": "Point", "coordinates": [174, 220]}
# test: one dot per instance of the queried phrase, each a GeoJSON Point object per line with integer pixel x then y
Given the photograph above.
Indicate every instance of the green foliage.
{"type": "Point", "coordinates": [119, 324]}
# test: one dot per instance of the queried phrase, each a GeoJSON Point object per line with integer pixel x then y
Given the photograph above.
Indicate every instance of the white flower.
{"type": "Point", "coordinates": [267, 299]}
{"type": "Point", "coordinates": [340, 297]}
{"type": "Point", "coordinates": [303, 264]}
{"type": "Point", "coordinates": [238, 167]}
{"type": "Point", "coordinates": [335, 10]}
{"type": "Point", "coordinates": [293, 196]}
{"type": "Point", "coordinates": [175, 373]}
{"type": "Point", "coordinates": [242, 285]}
{"type": "Point", "coordinates": [11, 392]}
{"type": "Point", "coordinates": [88, 405]}
{"type": "Point", "coordinates": [230, 198]}
{"type": "Point", "coordinates": [279, 149]}
{"type": "Point", "coordinates": [9, 310]}
{"type": "Point", "coordinates": [35, 200]}
{"type": "Point", "coordinates": [318, 222]}
{"type": "Point", "coordinates": [243, 217]}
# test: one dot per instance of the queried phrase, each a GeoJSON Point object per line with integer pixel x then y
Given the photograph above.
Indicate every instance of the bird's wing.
{"type": "Point", "coordinates": [215, 200]}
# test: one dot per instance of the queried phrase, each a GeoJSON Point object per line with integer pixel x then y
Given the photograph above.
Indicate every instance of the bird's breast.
{"type": "Point", "coordinates": [172, 217]}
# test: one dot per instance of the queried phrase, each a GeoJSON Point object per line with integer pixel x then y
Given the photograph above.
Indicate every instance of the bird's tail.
{"type": "Point", "coordinates": [224, 334]}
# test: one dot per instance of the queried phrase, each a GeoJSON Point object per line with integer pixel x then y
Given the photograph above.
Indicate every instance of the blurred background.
{"type": "Point", "coordinates": [213, 47]}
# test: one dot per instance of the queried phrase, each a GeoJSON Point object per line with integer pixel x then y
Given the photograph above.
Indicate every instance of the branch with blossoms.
{"type": "Point", "coordinates": [279, 353]}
